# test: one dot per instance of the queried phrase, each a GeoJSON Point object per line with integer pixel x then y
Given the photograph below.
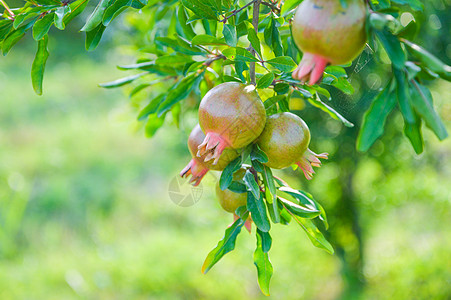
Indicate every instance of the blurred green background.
{"type": "Point", "coordinates": [85, 210]}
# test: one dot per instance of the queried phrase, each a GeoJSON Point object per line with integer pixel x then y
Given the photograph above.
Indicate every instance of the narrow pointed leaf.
{"type": "Point", "coordinates": [42, 26]}
{"type": "Point", "coordinates": [38, 66]}
{"type": "Point", "coordinates": [96, 17]}
{"type": "Point", "coordinates": [224, 246]}
{"type": "Point", "coordinates": [257, 208]}
{"type": "Point", "coordinates": [374, 119]}
{"type": "Point", "coordinates": [264, 267]}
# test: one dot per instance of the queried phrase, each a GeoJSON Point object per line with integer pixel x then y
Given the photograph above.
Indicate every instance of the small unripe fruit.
{"type": "Point", "coordinates": [232, 116]}
{"type": "Point", "coordinates": [229, 200]}
{"type": "Point", "coordinates": [197, 167]}
{"type": "Point", "coordinates": [327, 33]}
{"type": "Point", "coordinates": [285, 141]}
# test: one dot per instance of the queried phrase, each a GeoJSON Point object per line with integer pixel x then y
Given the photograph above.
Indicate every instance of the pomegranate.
{"type": "Point", "coordinates": [327, 33]}
{"type": "Point", "coordinates": [197, 167]}
{"type": "Point", "coordinates": [285, 141]}
{"type": "Point", "coordinates": [232, 116]}
{"type": "Point", "coordinates": [230, 201]}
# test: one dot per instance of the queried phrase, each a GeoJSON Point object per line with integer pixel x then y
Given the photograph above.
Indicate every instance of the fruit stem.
{"type": "Point", "coordinates": [255, 15]}
{"type": "Point", "coordinates": [11, 14]}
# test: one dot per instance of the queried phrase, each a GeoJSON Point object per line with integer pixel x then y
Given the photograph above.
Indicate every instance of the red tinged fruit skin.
{"type": "Point", "coordinates": [232, 116]}
{"type": "Point", "coordinates": [197, 167]}
{"type": "Point", "coordinates": [327, 33]}
{"type": "Point", "coordinates": [285, 141]}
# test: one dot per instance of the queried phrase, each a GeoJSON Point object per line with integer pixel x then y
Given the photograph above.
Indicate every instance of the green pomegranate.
{"type": "Point", "coordinates": [197, 167]}
{"type": "Point", "coordinates": [232, 116]}
{"type": "Point", "coordinates": [285, 141]}
{"type": "Point", "coordinates": [327, 33]}
{"type": "Point", "coordinates": [229, 200]}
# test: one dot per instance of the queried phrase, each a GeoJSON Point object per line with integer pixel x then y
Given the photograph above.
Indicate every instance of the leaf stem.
{"type": "Point", "coordinates": [255, 16]}
{"type": "Point", "coordinates": [11, 14]}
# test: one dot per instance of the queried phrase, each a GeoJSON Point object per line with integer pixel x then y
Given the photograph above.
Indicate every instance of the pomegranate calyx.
{"type": "Point", "coordinates": [309, 160]}
{"type": "Point", "coordinates": [196, 170]}
{"type": "Point", "coordinates": [213, 145]}
{"type": "Point", "coordinates": [310, 68]}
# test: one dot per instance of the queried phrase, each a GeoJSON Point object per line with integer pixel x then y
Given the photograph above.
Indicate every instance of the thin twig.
{"type": "Point", "coordinates": [255, 16]}
{"type": "Point", "coordinates": [272, 6]}
{"type": "Point", "coordinates": [211, 60]}
{"type": "Point", "coordinates": [236, 11]}
{"type": "Point", "coordinates": [7, 9]}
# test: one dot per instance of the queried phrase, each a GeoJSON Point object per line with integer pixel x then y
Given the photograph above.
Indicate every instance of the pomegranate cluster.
{"type": "Point", "coordinates": [232, 117]}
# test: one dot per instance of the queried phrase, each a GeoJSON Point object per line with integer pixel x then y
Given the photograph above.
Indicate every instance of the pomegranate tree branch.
{"type": "Point", "coordinates": [255, 15]}
{"type": "Point", "coordinates": [234, 12]}
{"type": "Point", "coordinates": [11, 14]}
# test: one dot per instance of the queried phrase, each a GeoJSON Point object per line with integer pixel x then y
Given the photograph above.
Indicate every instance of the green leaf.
{"type": "Point", "coordinates": [200, 8]}
{"type": "Point", "coordinates": [229, 32]}
{"type": "Point", "coordinates": [151, 107]}
{"type": "Point", "coordinates": [265, 239]}
{"type": "Point", "coordinates": [393, 48]}
{"type": "Point", "coordinates": [60, 13]}
{"type": "Point", "coordinates": [38, 66]}
{"type": "Point", "coordinates": [374, 119]}
{"type": "Point", "coordinates": [5, 28]}
{"type": "Point", "coordinates": [11, 39]}
{"type": "Point", "coordinates": [265, 81]}
{"type": "Point", "coordinates": [429, 60]}
{"type": "Point", "coordinates": [315, 101]}
{"type": "Point", "coordinates": [204, 39]}
{"type": "Point", "coordinates": [422, 102]}
{"type": "Point", "coordinates": [413, 133]}
{"type": "Point", "coordinates": [227, 175]}
{"type": "Point", "coordinates": [258, 154]}
{"type": "Point", "coordinates": [173, 59]}
{"type": "Point", "coordinates": [95, 19]}
{"type": "Point", "coordinates": [224, 246]}
{"type": "Point", "coordinates": [281, 88]}
{"type": "Point", "coordinates": [180, 91]}
{"type": "Point", "coordinates": [114, 10]}
{"type": "Point", "coordinates": [264, 267]}
{"type": "Point", "coordinates": [257, 208]}
{"type": "Point", "coordinates": [93, 37]}
{"type": "Point", "coordinates": [42, 26]}
{"type": "Point", "coordinates": [313, 233]}
{"type": "Point", "coordinates": [252, 185]}
{"type": "Point", "coordinates": [238, 187]}
{"type": "Point", "coordinates": [154, 122]}
{"type": "Point", "coordinates": [239, 54]}
{"type": "Point", "coordinates": [283, 63]}
{"type": "Point", "coordinates": [270, 194]}
{"type": "Point", "coordinates": [403, 95]}
{"type": "Point", "coordinates": [298, 210]}
{"type": "Point", "coordinates": [270, 102]}
{"type": "Point", "coordinates": [76, 8]}
{"type": "Point", "coordinates": [187, 28]}
{"type": "Point", "coordinates": [121, 81]}
{"type": "Point", "coordinates": [254, 40]}
{"type": "Point", "coordinates": [32, 13]}
{"type": "Point", "coordinates": [289, 5]}
{"type": "Point", "coordinates": [414, 4]}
